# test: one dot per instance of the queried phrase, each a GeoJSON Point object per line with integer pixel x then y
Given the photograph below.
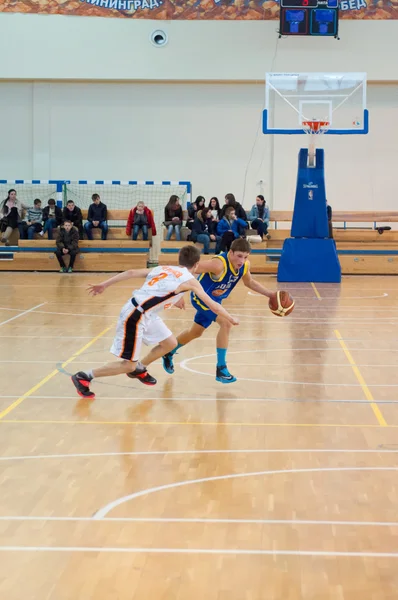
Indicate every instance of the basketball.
{"type": "Point", "coordinates": [281, 304]}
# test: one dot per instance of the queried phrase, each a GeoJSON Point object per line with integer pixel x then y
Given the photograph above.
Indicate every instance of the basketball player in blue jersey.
{"type": "Point", "coordinates": [219, 277]}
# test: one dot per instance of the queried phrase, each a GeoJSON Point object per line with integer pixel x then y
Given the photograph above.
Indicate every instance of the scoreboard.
{"type": "Point", "coordinates": [309, 17]}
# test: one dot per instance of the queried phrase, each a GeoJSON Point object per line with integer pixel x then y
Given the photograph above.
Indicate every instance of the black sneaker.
{"type": "Point", "coordinates": [168, 364]}
{"type": "Point", "coordinates": [142, 376]}
{"type": "Point", "coordinates": [224, 376]}
{"type": "Point", "coordinates": [81, 381]}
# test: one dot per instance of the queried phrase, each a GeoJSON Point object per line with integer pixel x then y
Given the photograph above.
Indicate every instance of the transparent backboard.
{"type": "Point", "coordinates": [338, 98]}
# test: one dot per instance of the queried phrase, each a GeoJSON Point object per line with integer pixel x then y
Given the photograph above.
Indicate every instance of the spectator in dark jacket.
{"type": "Point", "coordinates": [97, 217]}
{"type": "Point", "coordinates": [229, 228]}
{"type": "Point", "coordinates": [173, 218]}
{"type": "Point", "coordinates": [239, 210]}
{"type": "Point", "coordinates": [259, 217]}
{"type": "Point", "coordinates": [67, 244]}
{"type": "Point", "coordinates": [193, 209]}
{"type": "Point", "coordinates": [330, 219]}
{"type": "Point", "coordinates": [11, 213]}
{"type": "Point", "coordinates": [52, 218]}
{"type": "Point", "coordinates": [73, 214]}
{"type": "Point", "coordinates": [134, 225]}
{"type": "Point", "coordinates": [201, 231]}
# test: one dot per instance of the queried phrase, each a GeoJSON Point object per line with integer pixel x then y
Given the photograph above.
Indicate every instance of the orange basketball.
{"type": "Point", "coordinates": [281, 304]}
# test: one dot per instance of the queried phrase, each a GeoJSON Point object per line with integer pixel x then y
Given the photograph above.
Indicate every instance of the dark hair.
{"type": "Point", "coordinates": [51, 202]}
{"type": "Point", "coordinates": [188, 256]}
{"type": "Point", "coordinates": [67, 221]}
{"type": "Point", "coordinates": [241, 245]}
{"type": "Point", "coordinates": [203, 213]}
{"type": "Point", "coordinates": [95, 196]}
{"type": "Point", "coordinates": [37, 201]}
{"type": "Point", "coordinates": [70, 202]}
{"type": "Point", "coordinates": [9, 192]}
{"type": "Point", "coordinates": [230, 198]}
{"type": "Point", "coordinates": [200, 199]}
{"type": "Point", "coordinates": [172, 201]}
{"type": "Point", "coordinates": [217, 203]}
{"type": "Point", "coordinates": [261, 197]}
{"type": "Point", "coordinates": [229, 210]}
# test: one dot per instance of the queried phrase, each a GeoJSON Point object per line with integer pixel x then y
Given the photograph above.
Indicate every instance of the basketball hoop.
{"type": "Point", "coordinates": [314, 128]}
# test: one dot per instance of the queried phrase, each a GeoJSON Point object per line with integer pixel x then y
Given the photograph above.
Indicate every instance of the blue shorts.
{"type": "Point", "coordinates": [203, 317]}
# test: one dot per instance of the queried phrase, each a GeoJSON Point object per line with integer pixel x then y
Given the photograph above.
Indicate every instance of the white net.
{"type": "Point", "coordinates": [28, 192]}
{"type": "Point", "coordinates": [125, 197]}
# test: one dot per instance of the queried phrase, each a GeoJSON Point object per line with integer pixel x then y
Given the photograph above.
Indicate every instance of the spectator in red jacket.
{"type": "Point", "coordinates": [140, 217]}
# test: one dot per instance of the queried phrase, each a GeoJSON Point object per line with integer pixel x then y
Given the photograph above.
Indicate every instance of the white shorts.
{"type": "Point", "coordinates": [134, 328]}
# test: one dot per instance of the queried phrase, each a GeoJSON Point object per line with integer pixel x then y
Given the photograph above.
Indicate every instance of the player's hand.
{"type": "Point", "coordinates": [93, 290]}
{"type": "Point", "coordinates": [180, 304]}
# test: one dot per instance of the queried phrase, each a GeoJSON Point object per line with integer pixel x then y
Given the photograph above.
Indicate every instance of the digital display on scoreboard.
{"type": "Point", "coordinates": [309, 17]}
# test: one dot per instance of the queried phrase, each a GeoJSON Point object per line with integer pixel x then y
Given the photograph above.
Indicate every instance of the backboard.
{"type": "Point", "coordinates": [336, 98]}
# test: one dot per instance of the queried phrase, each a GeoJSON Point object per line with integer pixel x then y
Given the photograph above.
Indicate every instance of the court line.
{"type": "Point", "coordinates": [368, 395]}
{"type": "Point", "coordinates": [36, 387]}
{"type": "Point", "coordinates": [213, 400]}
{"type": "Point", "coordinates": [317, 294]}
{"type": "Point", "coordinates": [201, 521]}
{"type": "Point", "coordinates": [22, 314]}
{"type": "Point", "coordinates": [178, 452]}
{"type": "Point", "coordinates": [297, 320]}
{"type": "Point", "coordinates": [193, 423]}
{"type": "Point", "coordinates": [241, 364]}
{"type": "Point", "coordinates": [102, 512]}
{"type": "Point", "coordinates": [183, 364]}
{"type": "Point", "coordinates": [237, 551]}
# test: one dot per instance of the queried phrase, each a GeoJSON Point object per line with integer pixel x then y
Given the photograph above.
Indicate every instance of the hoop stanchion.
{"type": "Point", "coordinates": [313, 129]}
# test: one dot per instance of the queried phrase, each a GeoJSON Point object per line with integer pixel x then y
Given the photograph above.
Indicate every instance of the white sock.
{"type": "Point", "coordinates": [90, 374]}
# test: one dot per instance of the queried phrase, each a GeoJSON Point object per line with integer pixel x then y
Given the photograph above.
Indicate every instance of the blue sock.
{"type": "Point", "coordinates": [221, 357]}
{"type": "Point", "coordinates": [176, 349]}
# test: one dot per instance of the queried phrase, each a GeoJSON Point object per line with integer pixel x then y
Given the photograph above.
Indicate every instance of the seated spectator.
{"type": "Point", "coordinates": [97, 217]}
{"type": "Point", "coordinates": [140, 217]}
{"type": "Point", "coordinates": [193, 209]}
{"type": "Point", "coordinates": [32, 223]}
{"type": "Point", "coordinates": [11, 213]}
{"type": "Point", "coordinates": [330, 219]}
{"type": "Point", "coordinates": [173, 218]}
{"type": "Point", "coordinates": [229, 228]}
{"type": "Point", "coordinates": [239, 210]}
{"type": "Point", "coordinates": [73, 214]}
{"type": "Point", "coordinates": [67, 244]}
{"type": "Point", "coordinates": [214, 206]}
{"type": "Point", "coordinates": [52, 218]}
{"type": "Point", "coordinates": [259, 217]}
{"type": "Point", "coordinates": [201, 231]}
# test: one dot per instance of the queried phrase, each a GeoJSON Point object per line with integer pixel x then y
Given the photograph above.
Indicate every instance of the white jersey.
{"type": "Point", "coordinates": [158, 291]}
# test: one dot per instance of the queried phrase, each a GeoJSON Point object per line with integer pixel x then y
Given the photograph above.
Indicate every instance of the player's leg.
{"type": "Point", "coordinates": [126, 345]}
{"type": "Point", "coordinates": [202, 320]}
{"type": "Point", "coordinates": [222, 341]}
{"type": "Point", "coordinates": [157, 332]}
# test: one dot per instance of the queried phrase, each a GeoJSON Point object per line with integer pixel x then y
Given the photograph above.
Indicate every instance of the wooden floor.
{"type": "Point", "coordinates": [282, 486]}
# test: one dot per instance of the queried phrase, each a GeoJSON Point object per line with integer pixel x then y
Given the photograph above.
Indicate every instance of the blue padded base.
{"type": "Point", "coordinates": [306, 259]}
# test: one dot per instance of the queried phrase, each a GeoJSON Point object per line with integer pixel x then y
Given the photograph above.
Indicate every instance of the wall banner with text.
{"type": "Point", "coordinates": [255, 10]}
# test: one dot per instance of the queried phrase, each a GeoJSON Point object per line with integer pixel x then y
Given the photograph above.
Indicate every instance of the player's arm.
{"type": "Point", "coordinates": [254, 285]}
{"type": "Point", "coordinates": [193, 285]}
{"type": "Point", "coordinates": [132, 273]}
{"type": "Point", "coordinates": [214, 266]}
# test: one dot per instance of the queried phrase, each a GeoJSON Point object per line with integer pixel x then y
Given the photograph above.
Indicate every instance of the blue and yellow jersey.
{"type": "Point", "coordinates": [219, 288]}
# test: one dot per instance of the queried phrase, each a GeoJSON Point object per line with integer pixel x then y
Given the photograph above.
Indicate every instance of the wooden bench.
{"type": "Point", "coordinates": [95, 261]}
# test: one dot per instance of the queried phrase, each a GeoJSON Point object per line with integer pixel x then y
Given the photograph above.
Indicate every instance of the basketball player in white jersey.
{"type": "Point", "coordinates": [139, 321]}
